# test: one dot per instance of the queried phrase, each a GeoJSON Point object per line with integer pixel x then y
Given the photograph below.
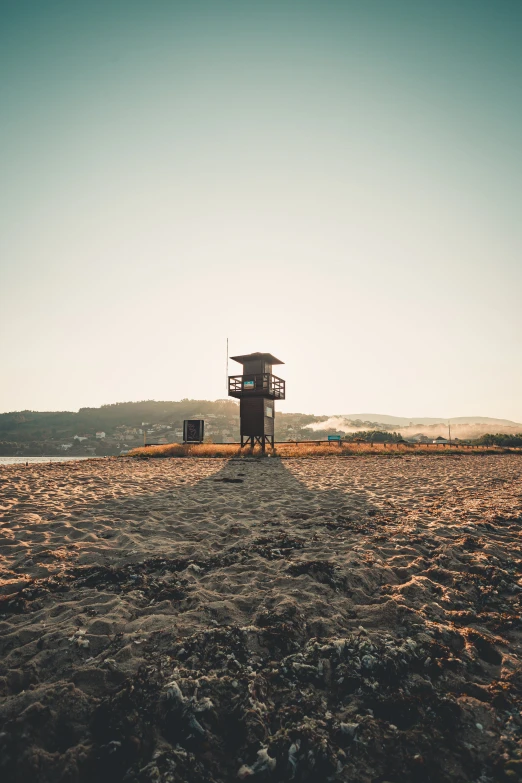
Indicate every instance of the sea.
{"type": "Point", "coordinates": [30, 460]}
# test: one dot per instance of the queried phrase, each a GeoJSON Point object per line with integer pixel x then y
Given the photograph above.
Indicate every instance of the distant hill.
{"type": "Point", "coordinates": [26, 424]}
{"type": "Point", "coordinates": [50, 432]}
{"type": "Point", "coordinates": [111, 429]}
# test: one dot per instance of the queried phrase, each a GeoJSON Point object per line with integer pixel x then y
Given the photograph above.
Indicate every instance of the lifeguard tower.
{"type": "Point", "coordinates": [257, 389]}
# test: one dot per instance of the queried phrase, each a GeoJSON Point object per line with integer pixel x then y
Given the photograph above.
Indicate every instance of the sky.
{"type": "Point", "coordinates": [336, 182]}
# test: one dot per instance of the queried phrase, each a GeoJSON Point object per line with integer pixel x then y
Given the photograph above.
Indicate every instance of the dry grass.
{"type": "Point", "coordinates": [227, 450]}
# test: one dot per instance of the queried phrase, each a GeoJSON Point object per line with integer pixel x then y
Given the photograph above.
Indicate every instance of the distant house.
{"type": "Point", "coordinates": [419, 438]}
{"type": "Point", "coordinates": [100, 435]}
{"type": "Point", "coordinates": [440, 439]}
{"type": "Point", "coordinates": [80, 438]}
{"type": "Point", "coordinates": [66, 446]}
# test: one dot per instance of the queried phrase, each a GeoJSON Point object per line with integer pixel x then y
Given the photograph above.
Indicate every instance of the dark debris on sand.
{"type": "Point", "coordinates": [269, 702]}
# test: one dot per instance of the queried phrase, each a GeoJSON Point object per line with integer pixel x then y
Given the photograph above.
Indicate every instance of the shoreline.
{"type": "Point", "coordinates": [303, 450]}
{"type": "Point", "coordinates": [284, 450]}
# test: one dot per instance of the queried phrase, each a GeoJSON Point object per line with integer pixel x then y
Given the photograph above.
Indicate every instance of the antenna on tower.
{"type": "Point", "coordinates": [226, 376]}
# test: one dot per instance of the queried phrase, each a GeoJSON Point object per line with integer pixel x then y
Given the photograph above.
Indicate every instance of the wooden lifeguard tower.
{"type": "Point", "coordinates": [257, 389]}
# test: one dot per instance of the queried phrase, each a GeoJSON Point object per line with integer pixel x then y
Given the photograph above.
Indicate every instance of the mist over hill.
{"type": "Point", "coordinates": [403, 421]}
{"type": "Point", "coordinates": [462, 427]}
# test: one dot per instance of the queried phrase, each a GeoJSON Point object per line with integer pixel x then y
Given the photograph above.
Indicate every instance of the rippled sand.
{"type": "Point", "coordinates": [353, 619]}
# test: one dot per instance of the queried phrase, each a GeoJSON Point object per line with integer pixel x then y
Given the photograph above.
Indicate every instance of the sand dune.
{"type": "Point", "coordinates": [350, 619]}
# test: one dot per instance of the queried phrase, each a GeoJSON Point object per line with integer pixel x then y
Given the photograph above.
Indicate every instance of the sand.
{"type": "Point", "coordinates": [344, 619]}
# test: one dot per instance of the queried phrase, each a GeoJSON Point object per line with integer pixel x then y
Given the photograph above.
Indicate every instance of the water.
{"type": "Point", "coordinates": [30, 460]}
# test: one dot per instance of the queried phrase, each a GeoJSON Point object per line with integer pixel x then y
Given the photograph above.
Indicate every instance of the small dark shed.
{"type": "Point", "coordinates": [193, 431]}
{"type": "Point", "coordinates": [257, 389]}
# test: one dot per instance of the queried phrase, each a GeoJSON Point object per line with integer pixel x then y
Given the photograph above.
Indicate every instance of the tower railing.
{"type": "Point", "coordinates": [258, 384]}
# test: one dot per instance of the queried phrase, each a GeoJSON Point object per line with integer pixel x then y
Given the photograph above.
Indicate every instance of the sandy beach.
{"type": "Point", "coordinates": [344, 619]}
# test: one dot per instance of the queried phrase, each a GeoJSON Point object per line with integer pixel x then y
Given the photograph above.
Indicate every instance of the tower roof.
{"type": "Point", "coordinates": [250, 356]}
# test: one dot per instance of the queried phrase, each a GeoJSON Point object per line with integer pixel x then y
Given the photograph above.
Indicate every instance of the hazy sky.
{"type": "Point", "coordinates": [338, 183]}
